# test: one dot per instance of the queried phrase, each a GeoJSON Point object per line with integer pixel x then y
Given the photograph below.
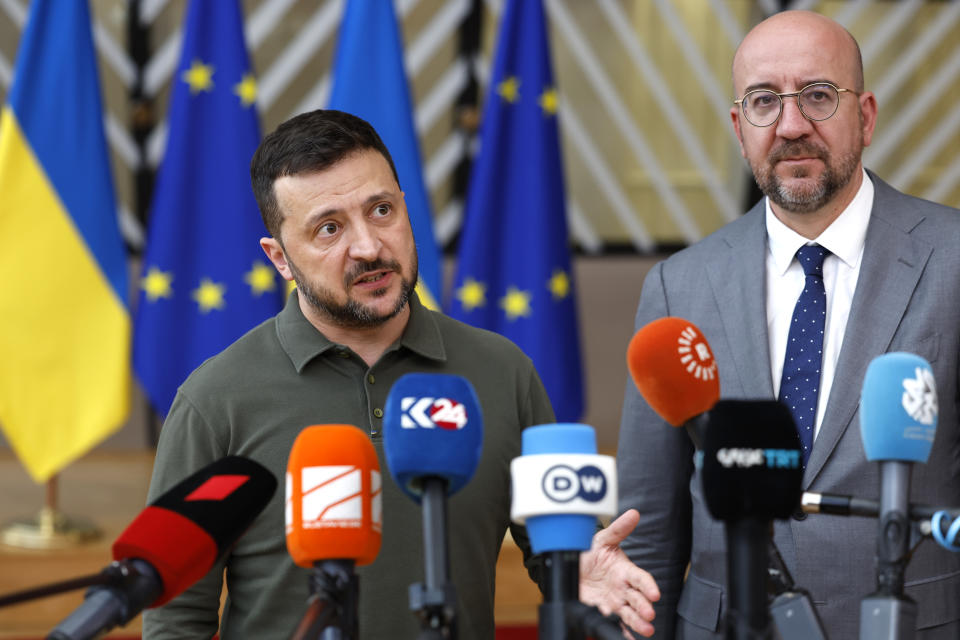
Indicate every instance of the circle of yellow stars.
{"type": "Point", "coordinates": [199, 77]}
{"type": "Point", "coordinates": [516, 303]}
{"type": "Point", "coordinates": [209, 295]}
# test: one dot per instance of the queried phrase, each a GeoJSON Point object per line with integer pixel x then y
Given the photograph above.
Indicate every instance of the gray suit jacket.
{"type": "Point", "coordinates": [907, 299]}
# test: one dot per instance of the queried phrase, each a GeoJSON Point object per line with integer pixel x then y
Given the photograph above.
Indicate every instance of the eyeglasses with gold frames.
{"type": "Point", "coordinates": [817, 102]}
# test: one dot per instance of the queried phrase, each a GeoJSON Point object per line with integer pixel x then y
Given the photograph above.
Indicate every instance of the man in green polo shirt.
{"type": "Point", "coordinates": [329, 196]}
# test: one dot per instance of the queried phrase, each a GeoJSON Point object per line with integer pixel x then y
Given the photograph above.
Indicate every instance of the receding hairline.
{"type": "Point", "coordinates": [809, 17]}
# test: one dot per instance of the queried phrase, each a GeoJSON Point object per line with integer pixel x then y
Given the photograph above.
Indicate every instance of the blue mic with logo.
{"type": "Point", "coordinates": [432, 440]}
{"type": "Point", "coordinates": [898, 422]}
{"type": "Point", "coordinates": [560, 487]}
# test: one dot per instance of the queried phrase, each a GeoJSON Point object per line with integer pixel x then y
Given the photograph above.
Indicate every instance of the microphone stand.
{"type": "Point", "coordinates": [434, 600]}
{"type": "Point", "coordinates": [561, 614]}
{"type": "Point", "coordinates": [888, 613]}
{"type": "Point", "coordinates": [747, 549]}
{"type": "Point", "coordinates": [332, 607]}
{"type": "Point", "coordinates": [792, 609]}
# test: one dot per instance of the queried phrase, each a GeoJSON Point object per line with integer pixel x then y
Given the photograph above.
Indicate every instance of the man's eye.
{"type": "Point", "coordinates": [327, 229]}
{"type": "Point", "coordinates": [381, 210]}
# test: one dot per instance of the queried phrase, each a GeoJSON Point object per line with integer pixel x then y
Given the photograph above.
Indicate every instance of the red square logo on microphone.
{"type": "Point", "coordinates": [217, 488]}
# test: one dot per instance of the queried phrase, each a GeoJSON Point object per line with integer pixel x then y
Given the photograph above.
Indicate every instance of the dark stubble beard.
{"type": "Point", "coordinates": [352, 314]}
{"type": "Point", "coordinates": [836, 174]}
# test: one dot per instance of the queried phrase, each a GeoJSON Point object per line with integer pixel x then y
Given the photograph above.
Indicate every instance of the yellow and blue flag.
{"type": "Point", "coordinates": [64, 319]}
{"type": "Point", "coordinates": [514, 271]}
{"type": "Point", "coordinates": [369, 81]}
{"type": "Point", "coordinates": [205, 280]}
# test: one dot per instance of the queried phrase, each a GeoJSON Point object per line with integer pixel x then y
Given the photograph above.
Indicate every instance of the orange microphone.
{"type": "Point", "coordinates": [334, 522]}
{"type": "Point", "coordinates": [673, 367]}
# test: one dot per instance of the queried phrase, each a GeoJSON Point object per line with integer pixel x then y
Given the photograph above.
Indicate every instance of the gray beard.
{"type": "Point", "coordinates": [804, 199]}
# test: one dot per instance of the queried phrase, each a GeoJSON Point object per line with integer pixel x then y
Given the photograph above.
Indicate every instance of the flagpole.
{"type": "Point", "coordinates": [49, 529]}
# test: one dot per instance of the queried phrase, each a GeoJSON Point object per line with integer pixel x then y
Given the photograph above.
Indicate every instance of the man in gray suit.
{"type": "Point", "coordinates": [892, 279]}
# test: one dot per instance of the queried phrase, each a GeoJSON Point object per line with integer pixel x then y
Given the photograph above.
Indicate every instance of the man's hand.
{"type": "Point", "coordinates": [612, 583]}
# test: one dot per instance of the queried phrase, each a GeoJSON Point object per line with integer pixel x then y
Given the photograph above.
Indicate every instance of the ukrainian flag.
{"type": "Point", "coordinates": [369, 81]}
{"type": "Point", "coordinates": [64, 321]}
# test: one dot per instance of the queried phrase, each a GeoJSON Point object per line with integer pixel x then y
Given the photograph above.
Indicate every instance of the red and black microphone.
{"type": "Point", "coordinates": [173, 543]}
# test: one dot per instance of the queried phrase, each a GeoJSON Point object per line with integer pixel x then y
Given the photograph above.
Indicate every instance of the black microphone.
{"type": "Point", "coordinates": [751, 475]}
{"type": "Point", "coordinates": [173, 543]}
{"type": "Point", "coordinates": [898, 421]}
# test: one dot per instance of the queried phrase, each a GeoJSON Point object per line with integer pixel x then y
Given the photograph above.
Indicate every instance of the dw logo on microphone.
{"type": "Point", "coordinates": [562, 483]}
{"type": "Point", "coordinates": [428, 413]}
{"type": "Point", "coordinates": [332, 496]}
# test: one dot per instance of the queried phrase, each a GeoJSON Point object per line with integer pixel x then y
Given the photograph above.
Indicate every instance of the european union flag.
{"type": "Point", "coordinates": [64, 318]}
{"type": "Point", "coordinates": [370, 82]}
{"type": "Point", "coordinates": [513, 274]}
{"type": "Point", "coordinates": [205, 279]}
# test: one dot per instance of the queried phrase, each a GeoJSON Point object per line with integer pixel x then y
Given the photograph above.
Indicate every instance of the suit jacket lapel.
{"type": "Point", "coordinates": [737, 277]}
{"type": "Point", "coordinates": [893, 262]}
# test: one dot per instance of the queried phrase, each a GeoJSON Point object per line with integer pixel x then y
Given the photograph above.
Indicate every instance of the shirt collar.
{"type": "Point", "coordinates": [303, 342]}
{"type": "Point", "coordinates": [844, 237]}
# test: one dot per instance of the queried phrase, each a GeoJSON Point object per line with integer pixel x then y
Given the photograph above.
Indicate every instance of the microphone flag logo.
{"type": "Point", "coordinates": [695, 355]}
{"type": "Point", "coordinates": [920, 396]}
{"type": "Point", "coordinates": [332, 497]}
{"type": "Point", "coordinates": [217, 488]}
{"type": "Point", "coordinates": [428, 413]}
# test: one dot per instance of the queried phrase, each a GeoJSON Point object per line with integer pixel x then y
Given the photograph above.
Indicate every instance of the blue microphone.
{"type": "Point", "coordinates": [560, 487]}
{"type": "Point", "coordinates": [432, 440]}
{"type": "Point", "coordinates": [898, 421]}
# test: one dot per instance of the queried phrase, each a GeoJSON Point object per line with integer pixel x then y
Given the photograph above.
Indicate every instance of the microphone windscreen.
{"type": "Point", "coordinates": [432, 427]}
{"type": "Point", "coordinates": [898, 408]}
{"type": "Point", "coordinates": [560, 486]}
{"type": "Point", "coordinates": [751, 460]}
{"type": "Point", "coordinates": [184, 531]}
{"type": "Point", "coordinates": [334, 503]}
{"type": "Point", "coordinates": [673, 368]}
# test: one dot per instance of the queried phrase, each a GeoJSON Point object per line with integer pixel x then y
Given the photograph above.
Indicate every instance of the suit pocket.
{"type": "Point", "coordinates": [927, 348]}
{"type": "Point", "coordinates": [936, 599]}
{"type": "Point", "coordinates": [700, 603]}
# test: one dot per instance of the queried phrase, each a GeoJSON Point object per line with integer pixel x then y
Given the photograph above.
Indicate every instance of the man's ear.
{"type": "Point", "coordinates": [277, 256]}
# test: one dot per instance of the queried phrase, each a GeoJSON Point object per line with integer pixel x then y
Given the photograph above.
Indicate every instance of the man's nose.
{"type": "Point", "coordinates": [365, 243]}
{"type": "Point", "coordinates": [792, 123]}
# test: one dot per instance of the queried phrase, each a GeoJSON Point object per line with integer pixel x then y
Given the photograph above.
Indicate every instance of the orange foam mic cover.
{"type": "Point", "coordinates": [334, 502]}
{"type": "Point", "coordinates": [673, 368]}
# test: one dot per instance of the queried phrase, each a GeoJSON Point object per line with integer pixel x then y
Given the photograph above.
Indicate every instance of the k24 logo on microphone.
{"type": "Point", "coordinates": [332, 497]}
{"type": "Point", "coordinates": [562, 483]}
{"type": "Point", "coordinates": [428, 413]}
{"type": "Point", "coordinates": [920, 397]}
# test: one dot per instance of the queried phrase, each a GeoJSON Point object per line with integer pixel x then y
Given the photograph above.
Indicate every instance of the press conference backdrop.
{"type": "Point", "coordinates": [650, 159]}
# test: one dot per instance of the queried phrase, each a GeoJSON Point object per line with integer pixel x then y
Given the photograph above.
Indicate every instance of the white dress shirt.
{"type": "Point", "coordinates": [844, 238]}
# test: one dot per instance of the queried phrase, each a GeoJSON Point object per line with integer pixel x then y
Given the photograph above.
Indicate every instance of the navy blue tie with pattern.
{"type": "Point", "coordinates": [800, 383]}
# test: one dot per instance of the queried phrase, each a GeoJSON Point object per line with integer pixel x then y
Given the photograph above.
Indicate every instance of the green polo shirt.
{"type": "Point", "coordinates": [256, 396]}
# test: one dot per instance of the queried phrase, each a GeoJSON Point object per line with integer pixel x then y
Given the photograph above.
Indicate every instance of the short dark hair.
{"type": "Point", "coordinates": [309, 142]}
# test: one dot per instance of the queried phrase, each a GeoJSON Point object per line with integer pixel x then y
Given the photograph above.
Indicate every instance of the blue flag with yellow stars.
{"type": "Point", "coordinates": [64, 314]}
{"type": "Point", "coordinates": [205, 280]}
{"type": "Point", "coordinates": [513, 273]}
{"type": "Point", "coordinates": [369, 81]}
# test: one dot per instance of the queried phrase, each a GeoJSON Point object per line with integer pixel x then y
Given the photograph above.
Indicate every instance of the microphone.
{"type": "Point", "coordinates": [560, 486]}
{"type": "Point", "coordinates": [673, 367]}
{"type": "Point", "coordinates": [334, 522]}
{"type": "Point", "coordinates": [432, 440]}
{"type": "Point", "coordinates": [898, 421]}
{"type": "Point", "coordinates": [751, 475]}
{"type": "Point", "coordinates": [842, 505]}
{"type": "Point", "coordinates": [173, 543]}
